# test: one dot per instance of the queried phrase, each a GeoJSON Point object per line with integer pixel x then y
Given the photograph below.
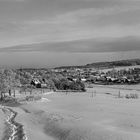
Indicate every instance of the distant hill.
{"type": "Point", "coordinates": [111, 64]}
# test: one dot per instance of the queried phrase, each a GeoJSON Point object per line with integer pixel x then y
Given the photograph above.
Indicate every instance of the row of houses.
{"type": "Point", "coordinates": [97, 76]}
{"type": "Point", "coordinates": [130, 76]}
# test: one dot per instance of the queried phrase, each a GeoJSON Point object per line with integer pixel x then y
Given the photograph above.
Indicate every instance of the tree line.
{"type": "Point", "coordinates": [11, 79]}
{"type": "Point", "coordinates": [8, 82]}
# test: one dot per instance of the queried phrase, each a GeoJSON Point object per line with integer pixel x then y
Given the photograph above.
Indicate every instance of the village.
{"type": "Point", "coordinates": [92, 75]}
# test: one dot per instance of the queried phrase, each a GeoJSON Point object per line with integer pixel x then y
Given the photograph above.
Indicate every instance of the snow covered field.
{"type": "Point", "coordinates": [93, 115]}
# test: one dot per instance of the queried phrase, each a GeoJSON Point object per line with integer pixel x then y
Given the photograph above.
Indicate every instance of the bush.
{"type": "Point", "coordinates": [132, 96]}
{"type": "Point", "coordinates": [33, 98]}
{"type": "Point", "coordinates": [65, 84]}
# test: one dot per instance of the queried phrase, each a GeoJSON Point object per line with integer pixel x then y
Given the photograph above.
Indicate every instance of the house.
{"type": "Point", "coordinates": [83, 80]}
{"type": "Point", "coordinates": [43, 85]}
{"type": "Point", "coordinates": [35, 82]}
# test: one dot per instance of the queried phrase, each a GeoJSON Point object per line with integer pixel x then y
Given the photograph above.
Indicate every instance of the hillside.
{"type": "Point", "coordinates": [111, 64]}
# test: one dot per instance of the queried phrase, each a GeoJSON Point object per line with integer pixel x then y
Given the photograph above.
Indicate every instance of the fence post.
{"type": "Point", "coordinates": [119, 94]}
{"type": "Point", "coordinates": [94, 93]}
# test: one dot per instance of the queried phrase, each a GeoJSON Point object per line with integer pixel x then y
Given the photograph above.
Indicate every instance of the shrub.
{"type": "Point", "coordinates": [65, 84]}
{"type": "Point", "coordinates": [132, 96]}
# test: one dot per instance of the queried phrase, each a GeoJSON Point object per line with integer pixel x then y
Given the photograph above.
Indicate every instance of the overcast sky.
{"type": "Point", "coordinates": [65, 32]}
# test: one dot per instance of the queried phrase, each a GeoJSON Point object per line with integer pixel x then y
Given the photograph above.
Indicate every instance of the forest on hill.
{"type": "Point", "coordinates": [111, 64]}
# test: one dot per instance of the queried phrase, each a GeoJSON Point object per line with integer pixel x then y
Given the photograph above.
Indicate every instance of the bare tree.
{"type": "Point", "coordinates": [3, 84]}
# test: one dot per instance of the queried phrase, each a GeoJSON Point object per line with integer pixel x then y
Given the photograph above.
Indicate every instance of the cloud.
{"type": "Point", "coordinates": [83, 19]}
{"type": "Point", "coordinates": [69, 27]}
{"type": "Point", "coordinates": [75, 25]}
{"type": "Point", "coordinates": [81, 46]}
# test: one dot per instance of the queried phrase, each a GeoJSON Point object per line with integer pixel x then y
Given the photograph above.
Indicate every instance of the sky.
{"type": "Point", "coordinates": [49, 33]}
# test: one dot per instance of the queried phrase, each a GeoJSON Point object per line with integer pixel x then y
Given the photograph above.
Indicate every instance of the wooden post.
{"type": "Point", "coordinates": [94, 93]}
{"type": "Point", "coordinates": [14, 93]}
{"type": "Point", "coordinates": [9, 92]}
{"type": "Point", "coordinates": [119, 94]}
{"type": "Point", "coordinates": [1, 96]}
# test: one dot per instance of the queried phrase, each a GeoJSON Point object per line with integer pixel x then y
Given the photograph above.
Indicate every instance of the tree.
{"type": "Point", "coordinates": [10, 78]}
{"type": "Point", "coordinates": [3, 84]}
{"type": "Point", "coordinates": [50, 84]}
{"type": "Point", "coordinates": [25, 80]}
{"type": "Point", "coordinates": [16, 84]}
